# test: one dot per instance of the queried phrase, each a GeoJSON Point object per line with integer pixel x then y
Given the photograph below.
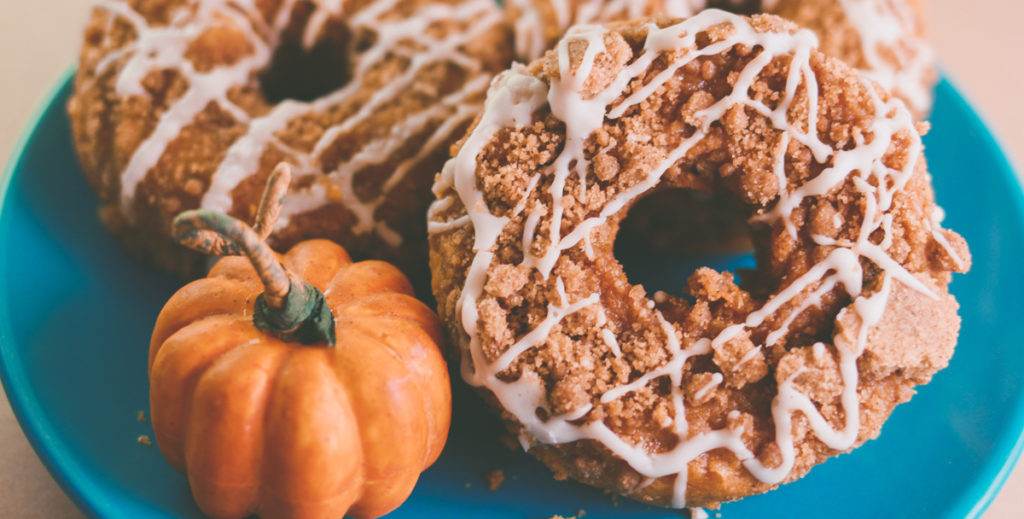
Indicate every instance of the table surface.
{"type": "Point", "coordinates": [40, 39]}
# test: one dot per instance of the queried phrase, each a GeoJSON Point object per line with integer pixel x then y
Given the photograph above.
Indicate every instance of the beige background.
{"type": "Point", "coordinates": [979, 43]}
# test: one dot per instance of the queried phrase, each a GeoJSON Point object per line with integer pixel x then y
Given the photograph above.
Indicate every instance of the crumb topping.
{"type": "Point", "coordinates": [737, 387]}
{"type": "Point", "coordinates": [174, 109]}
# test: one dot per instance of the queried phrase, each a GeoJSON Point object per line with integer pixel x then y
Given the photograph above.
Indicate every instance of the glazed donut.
{"type": "Point", "coordinates": [539, 24]}
{"type": "Point", "coordinates": [883, 38]}
{"type": "Point", "coordinates": [733, 388]}
{"type": "Point", "coordinates": [181, 104]}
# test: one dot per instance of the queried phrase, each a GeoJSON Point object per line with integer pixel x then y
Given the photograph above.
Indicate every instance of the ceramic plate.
{"type": "Point", "coordinates": [76, 313]}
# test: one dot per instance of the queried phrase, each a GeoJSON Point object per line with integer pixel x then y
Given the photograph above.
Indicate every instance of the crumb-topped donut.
{"type": "Point", "coordinates": [737, 387]}
{"type": "Point", "coordinates": [883, 38]}
{"type": "Point", "coordinates": [540, 23]}
{"type": "Point", "coordinates": [178, 104]}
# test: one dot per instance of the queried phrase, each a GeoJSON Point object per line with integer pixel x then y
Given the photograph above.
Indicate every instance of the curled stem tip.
{"type": "Point", "coordinates": [290, 308]}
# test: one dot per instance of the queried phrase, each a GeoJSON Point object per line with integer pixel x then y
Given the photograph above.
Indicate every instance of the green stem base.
{"type": "Point", "coordinates": [303, 317]}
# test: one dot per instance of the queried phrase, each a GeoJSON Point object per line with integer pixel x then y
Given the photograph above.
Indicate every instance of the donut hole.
{"type": "Point", "coordinates": [669, 234]}
{"type": "Point", "coordinates": [302, 73]}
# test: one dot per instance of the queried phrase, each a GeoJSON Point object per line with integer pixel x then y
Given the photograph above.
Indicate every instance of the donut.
{"type": "Point", "coordinates": [180, 104]}
{"type": "Point", "coordinates": [883, 38]}
{"type": "Point", "coordinates": [731, 387]}
{"type": "Point", "coordinates": [540, 23]}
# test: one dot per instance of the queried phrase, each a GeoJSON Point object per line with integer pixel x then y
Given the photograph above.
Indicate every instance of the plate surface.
{"type": "Point", "coordinates": [76, 313]}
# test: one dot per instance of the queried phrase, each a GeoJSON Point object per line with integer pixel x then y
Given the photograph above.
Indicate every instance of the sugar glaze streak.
{"type": "Point", "coordinates": [165, 47]}
{"type": "Point", "coordinates": [528, 25]}
{"type": "Point", "coordinates": [515, 96]}
{"type": "Point", "coordinates": [886, 30]}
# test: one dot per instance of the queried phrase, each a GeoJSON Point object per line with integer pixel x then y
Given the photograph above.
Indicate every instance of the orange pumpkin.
{"type": "Point", "coordinates": [337, 410]}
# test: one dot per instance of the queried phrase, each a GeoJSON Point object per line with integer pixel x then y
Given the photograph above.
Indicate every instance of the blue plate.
{"type": "Point", "coordinates": [76, 313]}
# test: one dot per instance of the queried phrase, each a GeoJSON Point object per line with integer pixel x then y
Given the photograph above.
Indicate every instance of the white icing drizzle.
{"type": "Point", "coordinates": [530, 39]}
{"type": "Point", "coordinates": [529, 30]}
{"type": "Point", "coordinates": [749, 356]}
{"type": "Point", "coordinates": [515, 95]}
{"type": "Point", "coordinates": [886, 28]}
{"type": "Point", "coordinates": [164, 47]}
{"type": "Point", "coordinates": [716, 379]}
{"type": "Point", "coordinates": [609, 338]}
{"type": "Point", "coordinates": [818, 350]}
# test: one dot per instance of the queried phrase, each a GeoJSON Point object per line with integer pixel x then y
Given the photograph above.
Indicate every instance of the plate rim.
{"type": "Point", "coordinates": [31, 418]}
{"type": "Point", "coordinates": [27, 412]}
{"type": "Point", "coordinates": [1013, 447]}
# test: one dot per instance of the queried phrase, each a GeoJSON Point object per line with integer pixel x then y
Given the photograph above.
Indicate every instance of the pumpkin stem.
{"type": "Point", "coordinates": [289, 308]}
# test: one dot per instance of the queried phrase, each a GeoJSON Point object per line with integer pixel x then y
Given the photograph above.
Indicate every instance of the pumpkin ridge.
{"type": "Point", "coordinates": [396, 305]}
{"type": "Point", "coordinates": [263, 488]}
{"type": "Point", "coordinates": [412, 320]}
{"type": "Point", "coordinates": [176, 349]}
{"type": "Point", "coordinates": [372, 333]}
{"type": "Point", "coordinates": [304, 259]}
{"type": "Point", "coordinates": [194, 302]}
{"type": "Point", "coordinates": [396, 421]}
{"type": "Point", "coordinates": [303, 374]}
{"type": "Point", "coordinates": [389, 298]}
{"type": "Point", "coordinates": [305, 501]}
{"type": "Point", "coordinates": [234, 268]}
{"type": "Point", "coordinates": [240, 380]}
{"type": "Point", "coordinates": [421, 392]}
{"type": "Point", "coordinates": [355, 281]}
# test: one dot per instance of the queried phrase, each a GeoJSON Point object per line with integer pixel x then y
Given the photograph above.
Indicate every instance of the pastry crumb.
{"type": "Point", "coordinates": [197, 139]}
{"type": "Point", "coordinates": [494, 479]}
{"type": "Point", "coordinates": [141, 416]}
{"type": "Point", "coordinates": [144, 439]}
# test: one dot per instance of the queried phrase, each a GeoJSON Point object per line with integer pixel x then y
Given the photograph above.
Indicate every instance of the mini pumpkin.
{"type": "Point", "coordinates": [298, 386]}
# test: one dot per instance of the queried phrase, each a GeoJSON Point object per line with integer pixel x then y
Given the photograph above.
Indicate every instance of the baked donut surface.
{"type": "Point", "coordinates": [540, 23]}
{"type": "Point", "coordinates": [733, 388]}
{"type": "Point", "coordinates": [181, 104]}
{"type": "Point", "coordinates": [885, 39]}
